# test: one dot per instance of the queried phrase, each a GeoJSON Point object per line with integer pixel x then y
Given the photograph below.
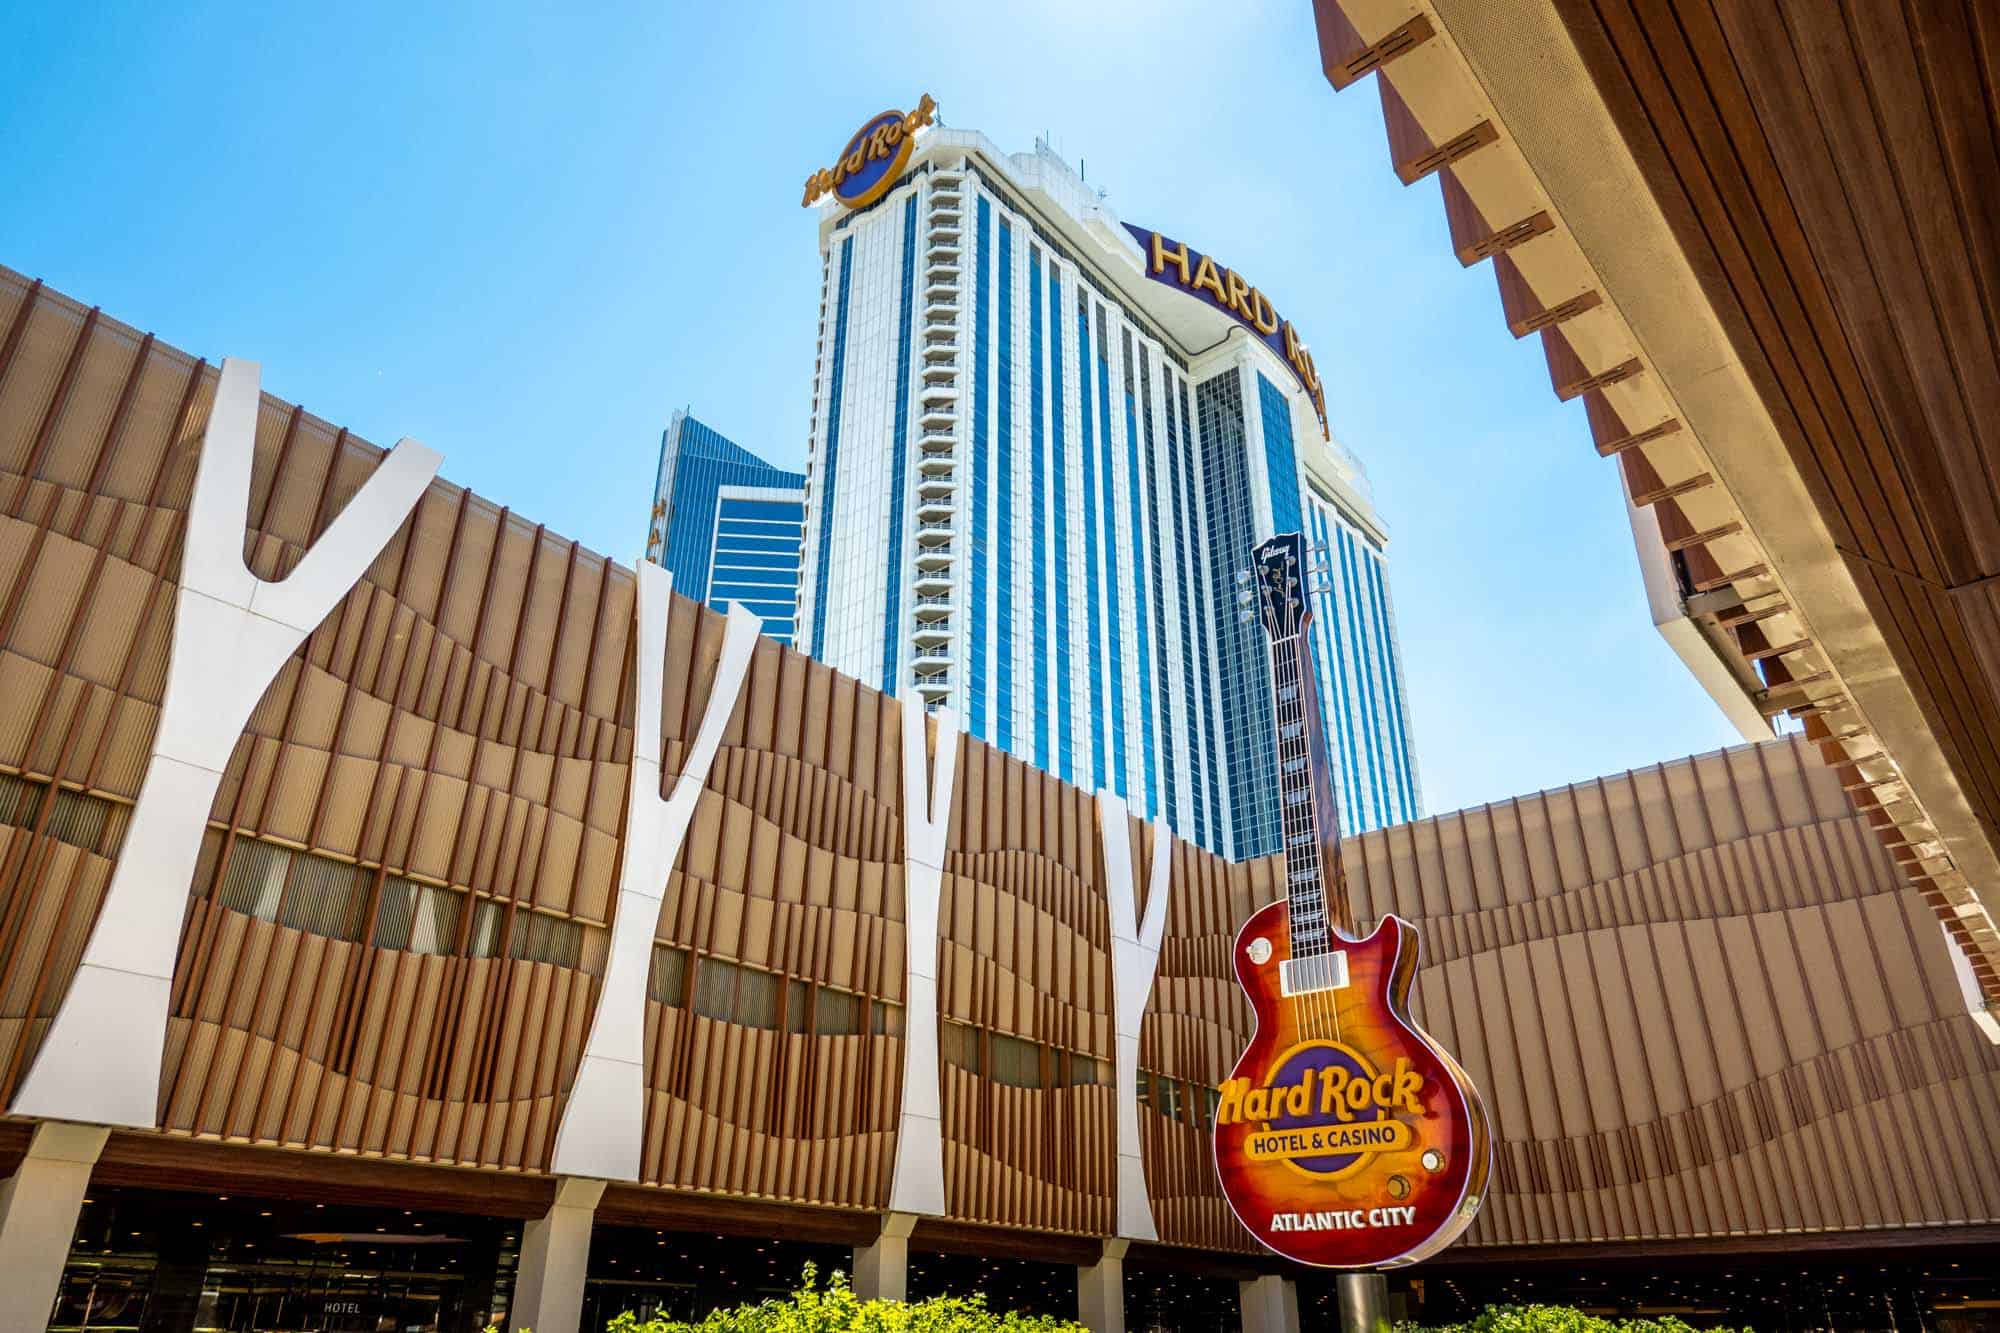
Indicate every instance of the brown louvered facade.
{"type": "Point", "coordinates": [1700, 998]}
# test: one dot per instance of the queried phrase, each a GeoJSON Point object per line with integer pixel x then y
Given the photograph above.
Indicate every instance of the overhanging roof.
{"type": "Point", "coordinates": [1762, 243]}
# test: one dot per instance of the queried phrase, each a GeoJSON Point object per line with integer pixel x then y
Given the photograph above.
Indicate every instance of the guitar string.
{"type": "Point", "coordinates": [1312, 1006]}
{"type": "Point", "coordinates": [1300, 817]}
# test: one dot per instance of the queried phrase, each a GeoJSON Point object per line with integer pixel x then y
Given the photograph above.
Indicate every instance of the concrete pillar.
{"type": "Point", "coordinates": [1100, 1290]}
{"type": "Point", "coordinates": [882, 1270]}
{"type": "Point", "coordinates": [555, 1255]}
{"type": "Point", "coordinates": [38, 1208]}
{"type": "Point", "coordinates": [1270, 1304]}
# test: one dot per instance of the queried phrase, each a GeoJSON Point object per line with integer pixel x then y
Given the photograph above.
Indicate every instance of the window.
{"type": "Point", "coordinates": [296, 889]}
{"type": "Point", "coordinates": [417, 917]}
{"type": "Point", "coordinates": [715, 989]}
{"type": "Point", "coordinates": [837, 1013]}
{"type": "Point", "coordinates": [546, 939]}
{"type": "Point", "coordinates": [798, 1005]}
{"type": "Point", "coordinates": [1082, 1071]}
{"type": "Point", "coordinates": [254, 879]}
{"type": "Point", "coordinates": [485, 942]}
{"type": "Point", "coordinates": [958, 1046]}
{"type": "Point", "coordinates": [76, 818]}
{"type": "Point", "coordinates": [886, 1018]}
{"type": "Point", "coordinates": [1015, 1062]}
{"type": "Point", "coordinates": [756, 999]}
{"type": "Point", "coordinates": [667, 980]}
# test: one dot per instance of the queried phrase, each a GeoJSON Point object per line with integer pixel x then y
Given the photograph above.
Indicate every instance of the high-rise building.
{"type": "Point", "coordinates": [1043, 445]}
{"type": "Point", "coordinates": [727, 524]}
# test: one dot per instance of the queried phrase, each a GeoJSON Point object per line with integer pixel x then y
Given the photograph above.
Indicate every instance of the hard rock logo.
{"type": "Point", "coordinates": [873, 159]}
{"type": "Point", "coordinates": [1324, 1108]}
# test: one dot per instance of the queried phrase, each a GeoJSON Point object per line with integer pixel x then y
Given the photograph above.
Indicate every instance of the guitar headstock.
{"type": "Point", "coordinates": [1279, 568]}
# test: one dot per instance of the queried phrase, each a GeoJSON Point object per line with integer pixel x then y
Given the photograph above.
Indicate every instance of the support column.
{"type": "Point", "coordinates": [1364, 1302]}
{"type": "Point", "coordinates": [882, 1270]}
{"type": "Point", "coordinates": [1270, 1304]}
{"type": "Point", "coordinates": [38, 1208]}
{"type": "Point", "coordinates": [1100, 1290]}
{"type": "Point", "coordinates": [555, 1255]}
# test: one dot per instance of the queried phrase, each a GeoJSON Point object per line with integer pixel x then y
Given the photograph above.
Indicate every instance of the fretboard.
{"type": "Point", "coordinates": [1313, 913]}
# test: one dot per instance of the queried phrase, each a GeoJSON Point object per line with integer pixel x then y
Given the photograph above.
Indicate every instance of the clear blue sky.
{"type": "Point", "coordinates": [525, 238]}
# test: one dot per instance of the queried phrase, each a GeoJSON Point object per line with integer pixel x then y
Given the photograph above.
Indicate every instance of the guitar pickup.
{"type": "Point", "coordinates": [1318, 972]}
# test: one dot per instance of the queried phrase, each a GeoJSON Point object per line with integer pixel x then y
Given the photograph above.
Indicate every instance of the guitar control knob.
{"type": "Point", "coordinates": [1260, 951]}
{"type": "Point", "coordinates": [1432, 1159]}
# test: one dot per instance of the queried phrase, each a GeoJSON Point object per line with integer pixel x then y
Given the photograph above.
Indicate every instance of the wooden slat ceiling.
{"type": "Point", "coordinates": [1826, 177]}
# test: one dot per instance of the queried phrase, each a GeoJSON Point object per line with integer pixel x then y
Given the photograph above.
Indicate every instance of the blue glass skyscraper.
{"type": "Point", "coordinates": [728, 525]}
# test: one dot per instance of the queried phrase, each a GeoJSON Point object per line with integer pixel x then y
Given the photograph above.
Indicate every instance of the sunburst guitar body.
{"type": "Point", "coordinates": [1345, 1137]}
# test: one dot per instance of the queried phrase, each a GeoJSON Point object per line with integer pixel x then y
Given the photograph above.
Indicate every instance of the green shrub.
{"type": "Point", "coordinates": [835, 1308]}
{"type": "Point", "coordinates": [1552, 1319]}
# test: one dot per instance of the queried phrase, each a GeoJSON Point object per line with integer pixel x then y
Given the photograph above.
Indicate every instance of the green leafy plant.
{"type": "Point", "coordinates": [834, 1308]}
{"type": "Point", "coordinates": [1552, 1319]}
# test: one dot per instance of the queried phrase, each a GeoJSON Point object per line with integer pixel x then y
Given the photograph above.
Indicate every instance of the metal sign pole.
{"type": "Point", "coordinates": [1364, 1300]}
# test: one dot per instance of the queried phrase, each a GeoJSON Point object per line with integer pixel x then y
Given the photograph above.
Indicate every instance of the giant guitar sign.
{"type": "Point", "coordinates": [1346, 1137]}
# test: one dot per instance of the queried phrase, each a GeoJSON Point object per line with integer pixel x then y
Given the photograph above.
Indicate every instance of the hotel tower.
{"type": "Point", "coordinates": [1043, 445]}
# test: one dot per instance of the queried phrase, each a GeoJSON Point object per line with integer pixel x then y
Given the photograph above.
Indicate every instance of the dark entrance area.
{"type": "Point", "coordinates": [1009, 1284]}
{"type": "Point", "coordinates": [684, 1275]}
{"type": "Point", "coordinates": [1170, 1300]}
{"type": "Point", "coordinates": [156, 1261]}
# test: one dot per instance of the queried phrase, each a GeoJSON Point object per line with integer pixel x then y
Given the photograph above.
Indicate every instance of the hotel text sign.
{"type": "Point", "coordinates": [1195, 273]}
{"type": "Point", "coordinates": [873, 159]}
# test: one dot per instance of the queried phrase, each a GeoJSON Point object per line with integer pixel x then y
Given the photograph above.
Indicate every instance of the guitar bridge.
{"type": "Point", "coordinates": [1317, 972]}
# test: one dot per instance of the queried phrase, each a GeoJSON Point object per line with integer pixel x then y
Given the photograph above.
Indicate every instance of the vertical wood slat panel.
{"type": "Point", "coordinates": [1603, 957]}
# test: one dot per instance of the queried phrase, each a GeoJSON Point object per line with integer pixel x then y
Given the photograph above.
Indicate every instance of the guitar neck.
{"type": "Point", "coordinates": [1309, 820]}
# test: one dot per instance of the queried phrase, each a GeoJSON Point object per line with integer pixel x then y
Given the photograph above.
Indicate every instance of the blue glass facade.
{"type": "Point", "coordinates": [1243, 663]}
{"type": "Point", "coordinates": [1038, 519]}
{"type": "Point", "coordinates": [1003, 502]}
{"type": "Point", "coordinates": [1094, 571]}
{"type": "Point", "coordinates": [1156, 562]}
{"type": "Point", "coordinates": [1063, 521]}
{"type": "Point", "coordinates": [719, 547]}
{"type": "Point", "coordinates": [827, 466]}
{"type": "Point", "coordinates": [1065, 700]}
{"type": "Point", "coordinates": [1142, 626]}
{"type": "Point", "coordinates": [1281, 460]}
{"type": "Point", "coordinates": [899, 455]}
{"type": "Point", "coordinates": [982, 351]}
{"type": "Point", "coordinates": [1113, 611]}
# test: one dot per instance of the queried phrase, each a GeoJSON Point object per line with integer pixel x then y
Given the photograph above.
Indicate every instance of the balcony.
{"type": "Point", "coordinates": [934, 530]}
{"type": "Point", "coordinates": [934, 557]}
{"type": "Point", "coordinates": [930, 662]}
{"type": "Point", "coordinates": [932, 631]}
{"type": "Point", "coordinates": [938, 483]}
{"type": "Point", "coordinates": [932, 604]}
{"type": "Point", "coordinates": [935, 682]}
{"type": "Point", "coordinates": [932, 583]}
{"type": "Point", "coordinates": [936, 506]}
